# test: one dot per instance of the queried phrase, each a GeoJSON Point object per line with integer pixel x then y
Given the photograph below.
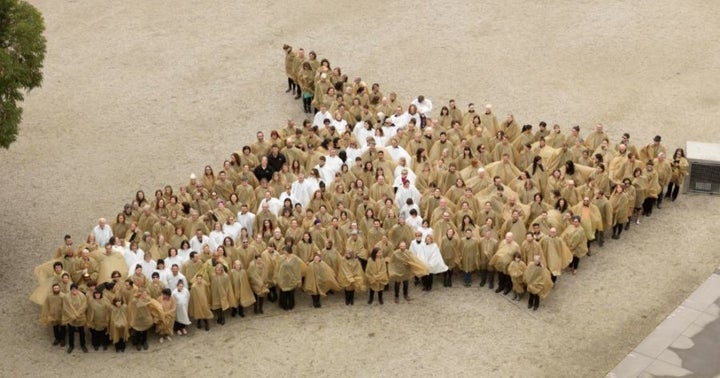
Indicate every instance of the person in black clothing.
{"type": "Point", "coordinates": [264, 170]}
{"type": "Point", "coordinates": [275, 159]}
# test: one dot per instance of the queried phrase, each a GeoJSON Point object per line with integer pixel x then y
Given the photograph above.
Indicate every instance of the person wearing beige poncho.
{"type": "Point", "coordinates": [199, 308]}
{"type": "Point", "coordinates": [351, 276]}
{"type": "Point", "coordinates": [166, 321]}
{"type": "Point", "coordinates": [319, 279]}
{"type": "Point", "coordinates": [469, 253]}
{"type": "Point", "coordinates": [74, 308]}
{"type": "Point", "coordinates": [538, 281]}
{"type": "Point", "coordinates": [516, 271]}
{"type": "Point", "coordinates": [574, 237]}
{"type": "Point", "coordinates": [403, 266]}
{"type": "Point", "coordinates": [98, 318]}
{"type": "Point", "coordinates": [221, 292]}
{"type": "Point", "coordinates": [143, 312]}
{"type": "Point", "coordinates": [500, 261]}
{"type": "Point", "coordinates": [241, 288]}
{"type": "Point", "coordinates": [376, 275]}
{"type": "Point", "coordinates": [288, 277]}
{"type": "Point", "coordinates": [450, 251]}
{"type": "Point", "coordinates": [119, 327]}
{"type": "Point", "coordinates": [260, 278]}
{"type": "Point", "coordinates": [51, 314]}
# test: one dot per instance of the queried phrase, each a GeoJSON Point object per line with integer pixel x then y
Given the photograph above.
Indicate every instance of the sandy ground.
{"type": "Point", "coordinates": [139, 94]}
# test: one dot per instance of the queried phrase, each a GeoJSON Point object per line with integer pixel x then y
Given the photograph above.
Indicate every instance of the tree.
{"type": "Point", "coordinates": [22, 51]}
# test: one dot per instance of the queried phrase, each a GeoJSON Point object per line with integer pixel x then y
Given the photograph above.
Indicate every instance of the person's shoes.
{"type": "Point", "coordinates": [589, 253]}
{"type": "Point", "coordinates": [70, 349]}
{"type": "Point", "coordinates": [659, 206]}
{"type": "Point", "coordinates": [56, 342]}
{"type": "Point", "coordinates": [138, 347]}
{"type": "Point", "coordinates": [198, 325]}
{"type": "Point", "coordinates": [105, 346]}
{"type": "Point", "coordinates": [380, 300]}
{"type": "Point", "coordinates": [499, 289]}
{"type": "Point", "coordinates": [288, 90]}
{"type": "Point", "coordinates": [162, 339]}
{"type": "Point", "coordinates": [297, 97]}
{"type": "Point", "coordinates": [145, 346]}
{"type": "Point", "coordinates": [96, 347]}
{"type": "Point", "coordinates": [62, 343]}
{"type": "Point", "coordinates": [507, 290]}
{"type": "Point", "coordinates": [515, 296]}
{"type": "Point", "coordinates": [627, 226]}
{"type": "Point", "coordinates": [207, 325]}
{"type": "Point", "coordinates": [530, 304]}
{"type": "Point", "coordinates": [184, 331]}
{"type": "Point", "coordinates": [233, 312]}
{"type": "Point", "coordinates": [397, 300]}
{"type": "Point", "coordinates": [84, 348]}
{"type": "Point", "coordinates": [168, 338]}
{"type": "Point", "coordinates": [536, 307]}
{"type": "Point", "coordinates": [637, 221]}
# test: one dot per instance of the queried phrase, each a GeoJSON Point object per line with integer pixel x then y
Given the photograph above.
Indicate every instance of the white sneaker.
{"type": "Point", "coordinates": [162, 339]}
{"type": "Point", "coordinates": [168, 338]}
{"type": "Point", "coordinates": [637, 221]}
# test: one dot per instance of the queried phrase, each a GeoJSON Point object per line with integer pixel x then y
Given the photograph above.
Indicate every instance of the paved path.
{"type": "Point", "coordinates": [686, 343]}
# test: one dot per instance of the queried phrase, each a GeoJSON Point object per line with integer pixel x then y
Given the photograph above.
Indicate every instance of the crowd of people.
{"type": "Point", "coordinates": [366, 196]}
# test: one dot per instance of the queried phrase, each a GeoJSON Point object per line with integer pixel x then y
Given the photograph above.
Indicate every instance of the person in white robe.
{"type": "Point", "coordinates": [246, 218]}
{"type": "Point", "coordinates": [197, 241]}
{"type": "Point", "coordinates": [429, 253]}
{"type": "Point", "coordinates": [182, 302]}
{"type": "Point", "coordinates": [321, 116]}
{"type": "Point", "coordinates": [302, 190]}
{"type": "Point", "coordinates": [424, 105]}
{"type": "Point", "coordinates": [407, 190]}
{"type": "Point", "coordinates": [175, 276]}
{"type": "Point", "coordinates": [232, 228]}
{"type": "Point", "coordinates": [274, 204]}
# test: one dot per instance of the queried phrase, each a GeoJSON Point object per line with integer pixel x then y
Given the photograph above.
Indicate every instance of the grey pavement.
{"type": "Point", "coordinates": [685, 344]}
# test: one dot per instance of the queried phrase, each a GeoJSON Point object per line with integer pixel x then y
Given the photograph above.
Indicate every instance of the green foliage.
{"type": "Point", "coordinates": [22, 51]}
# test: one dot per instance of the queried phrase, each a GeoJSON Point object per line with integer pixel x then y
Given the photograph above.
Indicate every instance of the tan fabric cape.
{"type": "Point", "coordinates": [199, 307]}
{"type": "Point", "coordinates": [376, 274]}
{"type": "Point", "coordinates": [351, 276]}
{"type": "Point", "coordinates": [538, 280]}
{"type": "Point", "coordinates": [516, 271]}
{"type": "Point", "coordinates": [319, 279]}
{"type": "Point", "coordinates": [403, 266]}
{"type": "Point", "coordinates": [241, 287]}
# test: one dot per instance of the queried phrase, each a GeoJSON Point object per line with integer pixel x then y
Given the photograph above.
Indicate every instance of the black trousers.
{"type": "Point", "coordinates": [71, 335]}
{"type": "Point", "coordinates": [59, 332]}
{"type": "Point", "coordinates": [98, 337]}
{"type": "Point", "coordinates": [141, 337]}
{"type": "Point", "coordinates": [291, 84]}
{"type": "Point", "coordinates": [534, 300]}
{"type": "Point", "coordinates": [575, 262]}
{"type": "Point", "coordinates": [647, 206]}
{"type": "Point", "coordinates": [427, 282]}
{"type": "Point", "coordinates": [272, 294]}
{"type": "Point", "coordinates": [405, 285]}
{"type": "Point", "coordinates": [316, 301]}
{"type": "Point", "coordinates": [672, 191]}
{"type": "Point", "coordinates": [287, 299]}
